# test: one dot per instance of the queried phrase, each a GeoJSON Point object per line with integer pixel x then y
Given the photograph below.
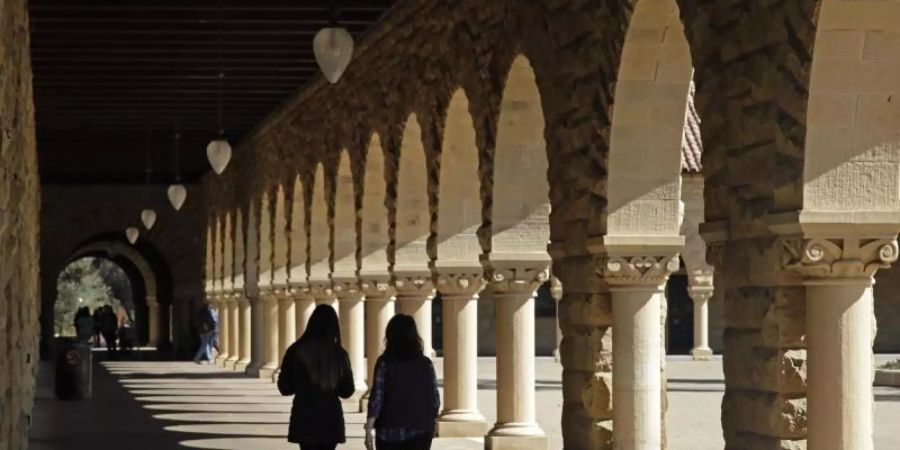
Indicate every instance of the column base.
{"type": "Point", "coordinates": [240, 365]}
{"type": "Point", "coordinates": [220, 360]}
{"type": "Point", "coordinates": [364, 403]}
{"type": "Point", "coordinates": [229, 363]}
{"type": "Point", "coordinates": [275, 375]}
{"type": "Point", "coordinates": [266, 372]}
{"type": "Point", "coordinates": [702, 353]}
{"type": "Point", "coordinates": [461, 424]}
{"type": "Point", "coordinates": [252, 370]}
{"type": "Point", "coordinates": [497, 442]}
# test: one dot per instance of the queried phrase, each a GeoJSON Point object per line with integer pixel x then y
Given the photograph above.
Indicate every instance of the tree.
{"type": "Point", "coordinates": [88, 282]}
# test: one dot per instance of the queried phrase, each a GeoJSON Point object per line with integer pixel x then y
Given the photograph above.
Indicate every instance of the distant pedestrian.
{"type": "Point", "coordinates": [316, 371]}
{"type": "Point", "coordinates": [206, 325]}
{"type": "Point", "coordinates": [98, 325]}
{"type": "Point", "coordinates": [84, 324]}
{"type": "Point", "coordinates": [109, 326]}
{"type": "Point", "coordinates": [404, 399]}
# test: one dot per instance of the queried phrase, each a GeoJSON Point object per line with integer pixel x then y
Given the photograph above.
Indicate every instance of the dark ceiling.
{"type": "Point", "coordinates": [112, 78]}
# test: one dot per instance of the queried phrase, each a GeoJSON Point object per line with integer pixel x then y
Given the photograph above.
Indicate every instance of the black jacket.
{"type": "Point", "coordinates": [316, 416]}
{"type": "Point", "coordinates": [410, 397]}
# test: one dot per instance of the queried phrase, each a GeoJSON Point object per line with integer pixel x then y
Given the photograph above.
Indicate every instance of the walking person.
{"type": "Point", "coordinates": [84, 325]}
{"type": "Point", "coordinates": [403, 399]}
{"type": "Point", "coordinates": [206, 325]}
{"type": "Point", "coordinates": [316, 371]}
{"type": "Point", "coordinates": [109, 327]}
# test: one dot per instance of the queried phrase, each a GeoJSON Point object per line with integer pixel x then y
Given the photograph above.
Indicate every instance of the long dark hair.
{"type": "Point", "coordinates": [319, 349]}
{"type": "Point", "coordinates": [402, 339]}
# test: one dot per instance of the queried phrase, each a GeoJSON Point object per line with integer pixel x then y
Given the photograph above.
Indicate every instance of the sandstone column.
{"type": "Point", "coordinates": [153, 322]}
{"type": "Point", "coordinates": [352, 316]}
{"type": "Point", "coordinates": [838, 275]}
{"type": "Point", "coordinates": [379, 304]}
{"type": "Point", "coordinates": [556, 291]}
{"type": "Point", "coordinates": [414, 293]}
{"type": "Point", "coordinates": [242, 338]}
{"type": "Point", "coordinates": [304, 303]}
{"type": "Point", "coordinates": [268, 335]}
{"type": "Point", "coordinates": [232, 317]}
{"type": "Point", "coordinates": [701, 296]}
{"type": "Point", "coordinates": [221, 304]}
{"type": "Point", "coordinates": [514, 284]}
{"type": "Point", "coordinates": [459, 288]}
{"type": "Point", "coordinates": [287, 327]}
{"type": "Point", "coordinates": [636, 281]}
{"type": "Point", "coordinates": [257, 335]}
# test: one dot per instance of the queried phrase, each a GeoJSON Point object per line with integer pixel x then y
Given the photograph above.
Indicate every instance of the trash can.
{"type": "Point", "coordinates": [73, 369]}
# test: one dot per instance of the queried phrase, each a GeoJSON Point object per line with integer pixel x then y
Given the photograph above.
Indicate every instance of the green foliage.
{"type": "Point", "coordinates": [891, 365]}
{"type": "Point", "coordinates": [90, 282]}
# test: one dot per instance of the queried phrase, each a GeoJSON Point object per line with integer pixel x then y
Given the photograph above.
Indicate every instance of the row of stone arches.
{"type": "Point", "coordinates": [789, 202]}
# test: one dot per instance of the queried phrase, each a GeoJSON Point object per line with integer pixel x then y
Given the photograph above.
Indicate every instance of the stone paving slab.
{"type": "Point", "coordinates": [168, 405]}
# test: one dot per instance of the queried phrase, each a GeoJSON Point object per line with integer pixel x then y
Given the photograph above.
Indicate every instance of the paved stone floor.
{"type": "Point", "coordinates": [168, 405]}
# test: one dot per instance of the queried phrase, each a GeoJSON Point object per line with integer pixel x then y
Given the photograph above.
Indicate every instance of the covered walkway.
{"type": "Point", "coordinates": [166, 405]}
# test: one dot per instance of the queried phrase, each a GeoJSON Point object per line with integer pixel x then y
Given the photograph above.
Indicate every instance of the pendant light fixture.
{"type": "Point", "coordinates": [218, 151]}
{"type": "Point", "coordinates": [132, 234]}
{"type": "Point", "coordinates": [333, 47]}
{"type": "Point", "coordinates": [148, 215]}
{"type": "Point", "coordinates": [177, 193]}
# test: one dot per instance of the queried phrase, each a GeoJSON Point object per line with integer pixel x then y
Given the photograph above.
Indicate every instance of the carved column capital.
{"type": "Point", "coordinates": [700, 294]}
{"type": "Point", "coordinates": [459, 281]}
{"type": "Point", "coordinates": [376, 285]}
{"type": "Point", "coordinates": [346, 288]}
{"type": "Point", "coordinates": [556, 288]}
{"type": "Point", "coordinates": [639, 270]}
{"type": "Point", "coordinates": [840, 258]}
{"type": "Point", "coordinates": [413, 283]}
{"type": "Point", "coordinates": [517, 276]}
{"type": "Point", "coordinates": [321, 290]}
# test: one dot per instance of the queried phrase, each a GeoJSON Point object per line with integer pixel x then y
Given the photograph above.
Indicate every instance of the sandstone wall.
{"type": "Point", "coordinates": [19, 215]}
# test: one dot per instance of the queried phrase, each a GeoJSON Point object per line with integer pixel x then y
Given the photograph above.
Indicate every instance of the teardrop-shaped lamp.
{"type": "Point", "coordinates": [333, 48]}
{"type": "Point", "coordinates": [219, 153]}
{"type": "Point", "coordinates": [177, 196]}
{"type": "Point", "coordinates": [148, 217]}
{"type": "Point", "coordinates": [132, 234]}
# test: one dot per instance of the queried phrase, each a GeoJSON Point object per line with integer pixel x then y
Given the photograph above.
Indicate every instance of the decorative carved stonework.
{"type": "Point", "coordinates": [556, 288]}
{"type": "Point", "coordinates": [636, 270]}
{"type": "Point", "coordinates": [838, 258]}
{"type": "Point", "coordinates": [459, 281]}
{"type": "Point", "coordinates": [525, 278]}
{"type": "Point", "coordinates": [413, 284]}
{"type": "Point", "coordinates": [375, 286]}
{"type": "Point", "coordinates": [321, 291]}
{"type": "Point", "coordinates": [345, 288]}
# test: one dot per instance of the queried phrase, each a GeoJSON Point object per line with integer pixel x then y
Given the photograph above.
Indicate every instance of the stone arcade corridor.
{"type": "Point", "coordinates": [603, 181]}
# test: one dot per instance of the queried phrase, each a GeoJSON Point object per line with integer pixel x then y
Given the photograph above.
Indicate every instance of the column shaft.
{"type": "Point", "coordinates": [153, 324]}
{"type": "Point", "coordinates": [241, 339]}
{"type": "Point", "coordinates": [352, 320]}
{"type": "Point", "coordinates": [379, 310]}
{"type": "Point", "coordinates": [232, 335]}
{"type": "Point", "coordinates": [304, 304]}
{"type": "Point", "coordinates": [637, 384]}
{"type": "Point", "coordinates": [268, 335]}
{"type": "Point", "coordinates": [224, 329]}
{"type": "Point", "coordinates": [516, 427]}
{"type": "Point", "coordinates": [418, 305]}
{"type": "Point", "coordinates": [701, 350]}
{"type": "Point", "coordinates": [287, 327]}
{"type": "Point", "coordinates": [460, 416]}
{"type": "Point", "coordinates": [839, 333]}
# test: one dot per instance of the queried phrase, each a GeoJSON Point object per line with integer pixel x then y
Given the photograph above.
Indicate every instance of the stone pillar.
{"type": "Point", "coordinates": [414, 293]}
{"type": "Point", "coordinates": [838, 275]}
{"type": "Point", "coordinates": [379, 305]}
{"type": "Point", "coordinates": [304, 303]}
{"type": "Point", "coordinates": [268, 335]}
{"type": "Point", "coordinates": [231, 306]}
{"type": "Point", "coordinates": [556, 291]}
{"type": "Point", "coordinates": [257, 335]}
{"type": "Point", "coordinates": [352, 316]}
{"type": "Point", "coordinates": [242, 338]}
{"type": "Point", "coordinates": [225, 351]}
{"type": "Point", "coordinates": [459, 288]}
{"type": "Point", "coordinates": [636, 282]}
{"type": "Point", "coordinates": [701, 296]}
{"type": "Point", "coordinates": [287, 327]}
{"type": "Point", "coordinates": [513, 285]}
{"type": "Point", "coordinates": [153, 322]}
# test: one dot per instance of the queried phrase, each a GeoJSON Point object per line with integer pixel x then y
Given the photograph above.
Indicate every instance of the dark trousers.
{"type": "Point", "coordinates": [318, 446]}
{"type": "Point", "coordinates": [419, 443]}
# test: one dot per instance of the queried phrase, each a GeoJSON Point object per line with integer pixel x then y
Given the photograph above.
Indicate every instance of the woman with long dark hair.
{"type": "Point", "coordinates": [316, 371]}
{"type": "Point", "coordinates": [403, 400]}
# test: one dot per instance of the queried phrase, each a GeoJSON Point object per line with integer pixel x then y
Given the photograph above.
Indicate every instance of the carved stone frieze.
{"type": "Point", "coordinates": [377, 288]}
{"type": "Point", "coordinates": [417, 284]}
{"type": "Point", "coordinates": [838, 258]}
{"type": "Point", "coordinates": [346, 287]}
{"type": "Point", "coordinates": [459, 281]}
{"type": "Point", "coordinates": [524, 278]}
{"type": "Point", "coordinates": [620, 270]}
{"type": "Point", "coordinates": [321, 290]}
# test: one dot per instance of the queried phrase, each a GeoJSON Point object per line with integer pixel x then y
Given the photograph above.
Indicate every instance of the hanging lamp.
{"type": "Point", "coordinates": [132, 234]}
{"type": "Point", "coordinates": [333, 48]}
{"type": "Point", "coordinates": [148, 215]}
{"type": "Point", "coordinates": [218, 151]}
